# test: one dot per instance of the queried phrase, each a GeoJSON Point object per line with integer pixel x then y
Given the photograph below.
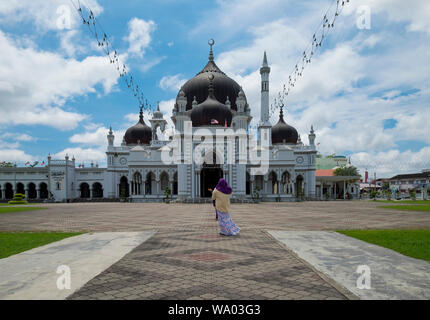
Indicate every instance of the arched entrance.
{"type": "Point", "coordinates": [209, 177]}
{"type": "Point", "coordinates": [175, 183]}
{"type": "Point", "coordinates": [85, 190]}
{"type": "Point", "coordinates": [248, 183]}
{"type": "Point", "coordinates": [43, 190]}
{"type": "Point", "coordinates": [20, 188]}
{"type": "Point", "coordinates": [8, 192]}
{"type": "Point", "coordinates": [299, 187]}
{"type": "Point", "coordinates": [32, 193]}
{"type": "Point", "coordinates": [97, 190]}
{"type": "Point", "coordinates": [123, 187]}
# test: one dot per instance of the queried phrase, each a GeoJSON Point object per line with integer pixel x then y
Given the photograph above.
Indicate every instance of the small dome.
{"type": "Point", "coordinates": [210, 109]}
{"type": "Point", "coordinates": [139, 133]}
{"type": "Point", "coordinates": [282, 132]}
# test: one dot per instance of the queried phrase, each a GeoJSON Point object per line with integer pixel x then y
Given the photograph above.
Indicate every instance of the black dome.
{"type": "Point", "coordinates": [139, 133]}
{"type": "Point", "coordinates": [284, 133]}
{"type": "Point", "coordinates": [223, 86]}
{"type": "Point", "coordinates": [211, 108]}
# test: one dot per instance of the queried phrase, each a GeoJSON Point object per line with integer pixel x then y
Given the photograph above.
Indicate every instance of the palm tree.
{"type": "Point", "coordinates": [349, 171]}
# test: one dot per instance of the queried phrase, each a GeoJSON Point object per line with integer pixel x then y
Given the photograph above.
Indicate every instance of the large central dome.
{"type": "Point", "coordinates": [199, 85]}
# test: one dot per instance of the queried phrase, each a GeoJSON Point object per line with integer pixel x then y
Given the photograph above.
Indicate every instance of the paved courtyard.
{"type": "Point", "coordinates": [318, 215]}
{"type": "Point", "coordinates": [188, 259]}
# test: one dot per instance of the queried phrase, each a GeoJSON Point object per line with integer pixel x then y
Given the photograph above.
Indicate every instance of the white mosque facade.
{"type": "Point", "coordinates": [137, 170]}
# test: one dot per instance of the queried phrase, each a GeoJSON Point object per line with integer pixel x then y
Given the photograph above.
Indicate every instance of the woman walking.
{"type": "Point", "coordinates": [221, 195]}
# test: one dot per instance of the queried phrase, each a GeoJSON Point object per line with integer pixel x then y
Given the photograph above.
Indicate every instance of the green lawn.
{"type": "Point", "coordinates": [404, 201]}
{"type": "Point", "coordinates": [412, 243]}
{"type": "Point", "coordinates": [15, 242]}
{"type": "Point", "coordinates": [409, 207]}
{"type": "Point", "coordinates": [7, 204]}
{"type": "Point", "coordinates": [18, 209]}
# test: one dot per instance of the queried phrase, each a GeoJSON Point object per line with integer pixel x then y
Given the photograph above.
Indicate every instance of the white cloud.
{"type": "Point", "coordinates": [389, 163]}
{"type": "Point", "coordinates": [37, 97]}
{"type": "Point", "coordinates": [360, 78]}
{"type": "Point", "coordinates": [15, 155]}
{"type": "Point", "coordinates": [139, 36]}
{"type": "Point", "coordinates": [83, 155]}
{"type": "Point", "coordinates": [43, 13]}
{"type": "Point", "coordinates": [416, 15]}
{"type": "Point", "coordinates": [172, 83]}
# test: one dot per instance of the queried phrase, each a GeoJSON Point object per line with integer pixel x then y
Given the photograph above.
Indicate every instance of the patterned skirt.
{"type": "Point", "coordinates": [227, 226]}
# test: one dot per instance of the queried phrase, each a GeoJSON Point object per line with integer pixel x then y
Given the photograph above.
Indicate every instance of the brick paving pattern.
{"type": "Point", "coordinates": [201, 264]}
{"type": "Point", "coordinates": [318, 215]}
{"type": "Point", "coordinates": [188, 259]}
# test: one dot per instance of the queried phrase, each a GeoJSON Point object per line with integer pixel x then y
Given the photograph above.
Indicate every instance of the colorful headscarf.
{"type": "Point", "coordinates": [223, 186]}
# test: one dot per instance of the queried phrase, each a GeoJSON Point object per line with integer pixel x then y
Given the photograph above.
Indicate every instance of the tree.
{"type": "Point", "coordinates": [349, 171]}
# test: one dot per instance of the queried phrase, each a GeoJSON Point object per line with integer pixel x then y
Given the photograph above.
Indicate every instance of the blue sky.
{"type": "Point", "coordinates": [367, 92]}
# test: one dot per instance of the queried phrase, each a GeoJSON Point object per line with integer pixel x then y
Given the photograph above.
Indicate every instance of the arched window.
{"type": "Point", "coordinates": [97, 190]}
{"type": "Point", "coordinates": [299, 186]}
{"type": "Point", "coordinates": [150, 183]}
{"type": "Point", "coordinates": [164, 180]}
{"type": "Point", "coordinates": [287, 186]}
{"type": "Point", "coordinates": [273, 183]}
{"type": "Point", "coordinates": [136, 184]}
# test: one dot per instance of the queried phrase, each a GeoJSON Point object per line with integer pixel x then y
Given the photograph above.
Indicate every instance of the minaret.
{"type": "Point", "coordinates": [265, 127]}
{"type": "Point", "coordinates": [110, 137]}
{"type": "Point", "coordinates": [264, 72]}
{"type": "Point", "coordinates": [312, 137]}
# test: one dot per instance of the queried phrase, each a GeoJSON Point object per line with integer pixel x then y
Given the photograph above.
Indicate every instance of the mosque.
{"type": "Point", "coordinates": [206, 105]}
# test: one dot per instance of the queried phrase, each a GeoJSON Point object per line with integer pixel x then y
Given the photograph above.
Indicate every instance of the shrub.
{"type": "Point", "coordinates": [18, 199]}
{"type": "Point", "coordinates": [388, 194]}
{"type": "Point", "coordinates": [167, 193]}
{"type": "Point", "coordinates": [373, 194]}
{"type": "Point", "coordinates": [17, 202]}
{"type": "Point", "coordinates": [412, 194]}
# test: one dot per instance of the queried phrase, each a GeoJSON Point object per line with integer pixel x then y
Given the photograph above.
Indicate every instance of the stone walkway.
{"type": "Point", "coordinates": [33, 274]}
{"type": "Point", "coordinates": [188, 259]}
{"type": "Point", "coordinates": [201, 264]}
{"type": "Point", "coordinates": [392, 275]}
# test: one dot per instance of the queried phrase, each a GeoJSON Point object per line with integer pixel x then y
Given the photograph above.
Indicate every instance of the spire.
{"type": "Point", "coordinates": [211, 42]}
{"type": "Point", "coordinates": [281, 113]}
{"type": "Point", "coordinates": [110, 130]}
{"type": "Point", "coordinates": [265, 60]}
{"type": "Point", "coordinates": [141, 114]}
